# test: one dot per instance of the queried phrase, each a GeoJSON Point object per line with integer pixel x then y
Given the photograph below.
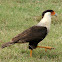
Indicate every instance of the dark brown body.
{"type": "Point", "coordinates": [33, 35]}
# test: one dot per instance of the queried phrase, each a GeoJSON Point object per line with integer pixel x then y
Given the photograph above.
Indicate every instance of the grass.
{"type": "Point", "coordinates": [18, 15]}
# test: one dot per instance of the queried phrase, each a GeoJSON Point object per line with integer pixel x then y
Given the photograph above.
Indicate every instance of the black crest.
{"type": "Point", "coordinates": [45, 12]}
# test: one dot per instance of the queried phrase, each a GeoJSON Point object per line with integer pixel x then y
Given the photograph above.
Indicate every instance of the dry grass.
{"type": "Point", "coordinates": [18, 15]}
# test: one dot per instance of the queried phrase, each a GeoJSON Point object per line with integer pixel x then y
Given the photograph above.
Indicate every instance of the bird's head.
{"type": "Point", "coordinates": [48, 13]}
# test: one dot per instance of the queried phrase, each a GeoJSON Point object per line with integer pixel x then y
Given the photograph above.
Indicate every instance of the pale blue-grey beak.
{"type": "Point", "coordinates": [56, 14]}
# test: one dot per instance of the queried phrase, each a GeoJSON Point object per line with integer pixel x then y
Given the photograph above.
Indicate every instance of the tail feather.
{"type": "Point", "coordinates": [7, 44]}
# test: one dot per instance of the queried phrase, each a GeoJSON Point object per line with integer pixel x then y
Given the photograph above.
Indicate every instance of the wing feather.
{"type": "Point", "coordinates": [31, 34]}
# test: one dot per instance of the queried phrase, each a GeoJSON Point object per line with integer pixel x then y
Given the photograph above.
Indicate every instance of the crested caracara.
{"type": "Point", "coordinates": [34, 34]}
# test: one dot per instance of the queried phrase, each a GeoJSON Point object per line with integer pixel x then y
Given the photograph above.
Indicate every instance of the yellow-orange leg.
{"type": "Point", "coordinates": [46, 47]}
{"type": "Point", "coordinates": [30, 53]}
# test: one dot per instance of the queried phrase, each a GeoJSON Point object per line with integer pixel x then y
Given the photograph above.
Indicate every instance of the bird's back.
{"type": "Point", "coordinates": [31, 34]}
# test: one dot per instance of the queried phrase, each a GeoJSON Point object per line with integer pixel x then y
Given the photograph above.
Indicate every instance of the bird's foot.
{"type": "Point", "coordinates": [46, 47]}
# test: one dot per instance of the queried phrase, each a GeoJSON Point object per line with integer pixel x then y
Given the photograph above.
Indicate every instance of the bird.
{"type": "Point", "coordinates": [34, 34]}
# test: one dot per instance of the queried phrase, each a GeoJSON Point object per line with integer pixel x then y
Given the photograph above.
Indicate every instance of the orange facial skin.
{"type": "Point", "coordinates": [53, 13]}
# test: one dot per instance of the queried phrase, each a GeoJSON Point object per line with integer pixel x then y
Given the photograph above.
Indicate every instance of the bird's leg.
{"type": "Point", "coordinates": [46, 47]}
{"type": "Point", "coordinates": [31, 53]}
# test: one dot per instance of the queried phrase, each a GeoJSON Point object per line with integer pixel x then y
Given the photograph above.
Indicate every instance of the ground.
{"type": "Point", "coordinates": [18, 15]}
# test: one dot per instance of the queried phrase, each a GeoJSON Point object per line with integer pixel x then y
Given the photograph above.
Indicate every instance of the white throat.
{"type": "Point", "coordinates": [45, 21]}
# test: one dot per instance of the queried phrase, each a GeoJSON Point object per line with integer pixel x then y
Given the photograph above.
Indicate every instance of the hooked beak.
{"type": "Point", "coordinates": [56, 14]}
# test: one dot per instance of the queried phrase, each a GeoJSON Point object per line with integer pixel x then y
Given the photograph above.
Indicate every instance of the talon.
{"type": "Point", "coordinates": [49, 49]}
{"type": "Point", "coordinates": [52, 48]}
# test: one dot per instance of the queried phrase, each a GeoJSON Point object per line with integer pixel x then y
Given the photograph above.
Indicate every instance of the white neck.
{"type": "Point", "coordinates": [45, 21]}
